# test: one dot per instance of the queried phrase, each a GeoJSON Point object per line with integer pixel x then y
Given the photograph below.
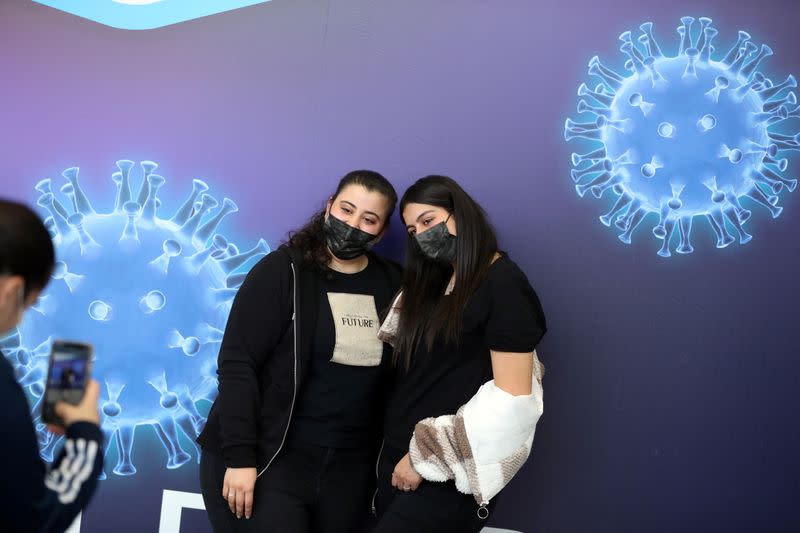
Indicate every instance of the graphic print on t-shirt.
{"type": "Point", "coordinates": [356, 323]}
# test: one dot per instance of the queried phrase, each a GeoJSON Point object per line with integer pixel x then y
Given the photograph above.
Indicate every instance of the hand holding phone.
{"type": "Point", "coordinates": [86, 411]}
{"type": "Point", "coordinates": [70, 395]}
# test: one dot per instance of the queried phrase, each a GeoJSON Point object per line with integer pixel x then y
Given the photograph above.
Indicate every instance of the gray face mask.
{"type": "Point", "coordinates": [345, 241]}
{"type": "Point", "coordinates": [437, 243]}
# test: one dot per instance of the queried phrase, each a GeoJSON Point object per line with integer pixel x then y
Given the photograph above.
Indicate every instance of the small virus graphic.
{"type": "Point", "coordinates": [152, 294]}
{"type": "Point", "coordinates": [685, 136]}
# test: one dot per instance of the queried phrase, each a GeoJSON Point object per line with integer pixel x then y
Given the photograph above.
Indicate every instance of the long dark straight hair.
{"type": "Point", "coordinates": [311, 237]}
{"type": "Point", "coordinates": [424, 314]}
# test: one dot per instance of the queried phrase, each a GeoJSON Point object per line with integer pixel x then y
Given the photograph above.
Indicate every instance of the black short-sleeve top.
{"type": "Point", "coordinates": [504, 314]}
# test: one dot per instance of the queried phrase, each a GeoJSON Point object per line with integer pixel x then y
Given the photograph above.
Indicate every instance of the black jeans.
{"type": "Point", "coordinates": [306, 490]}
{"type": "Point", "coordinates": [432, 508]}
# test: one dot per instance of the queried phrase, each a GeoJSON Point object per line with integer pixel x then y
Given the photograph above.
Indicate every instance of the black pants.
{"type": "Point", "coordinates": [305, 490]}
{"type": "Point", "coordinates": [433, 507]}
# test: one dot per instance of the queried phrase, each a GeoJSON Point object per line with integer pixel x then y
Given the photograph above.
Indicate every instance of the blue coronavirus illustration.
{"type": "Point", "coordinates": [150, 292]}
{"type": "Point", "coordinates": [684, 136]}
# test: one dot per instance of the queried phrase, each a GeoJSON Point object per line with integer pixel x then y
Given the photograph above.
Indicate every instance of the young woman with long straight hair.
{"type": "Point", "coordinates": [291, 439]}
{"type": "Point", "coordinates": [464, 328]}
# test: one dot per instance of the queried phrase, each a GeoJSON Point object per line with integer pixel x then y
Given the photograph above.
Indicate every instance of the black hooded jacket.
{"type": "Point", "coordinates": [264, 357]}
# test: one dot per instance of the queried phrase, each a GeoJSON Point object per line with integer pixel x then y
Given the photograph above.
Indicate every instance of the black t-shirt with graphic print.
{"type": "Point", "coordinates": [338, 405]}
{"type": "Point", "coordinates": [504, 315]}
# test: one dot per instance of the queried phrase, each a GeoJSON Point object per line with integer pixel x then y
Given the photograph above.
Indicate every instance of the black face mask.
{"type": "Point", "coordinates": [438, 243]}
{"type": "Point", "coordinates": [345, 241]}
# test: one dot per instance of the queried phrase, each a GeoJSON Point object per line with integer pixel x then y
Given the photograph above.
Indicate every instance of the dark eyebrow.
{"type": "Point", "coordinates": [353, 206]}
{"type": "Point", "coordinates": [410, 226]}
{"type": "Point", "coordinates": [424, 213]}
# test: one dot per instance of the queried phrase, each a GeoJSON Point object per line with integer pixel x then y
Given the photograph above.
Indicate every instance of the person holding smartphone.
{"type": "Point", "coordinates": [33, 497]}
{"type": "Point", "coordinates": [291, 439]}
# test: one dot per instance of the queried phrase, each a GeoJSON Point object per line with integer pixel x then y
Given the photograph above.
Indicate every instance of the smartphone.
{"type": "Point", "coordinates": [68, 372]}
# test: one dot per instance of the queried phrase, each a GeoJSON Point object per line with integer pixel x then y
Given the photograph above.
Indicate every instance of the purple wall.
{"type": "Point", "coordinates": [672, 384]}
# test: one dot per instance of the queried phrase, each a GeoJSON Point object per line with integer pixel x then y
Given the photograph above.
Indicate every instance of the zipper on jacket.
{"type": "Point", "coordinates": [377, 466]}
{"type": "Point", "coordinates": [294, 372]}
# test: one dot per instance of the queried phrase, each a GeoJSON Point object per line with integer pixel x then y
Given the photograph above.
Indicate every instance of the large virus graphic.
{"type": "Point", "coordinates": [152, 294]}
{"type": "Point", "coordinates": [685, 136]}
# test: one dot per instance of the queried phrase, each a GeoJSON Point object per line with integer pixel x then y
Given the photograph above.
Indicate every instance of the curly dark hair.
{"type": "Point", "coordinates": [311, 237]}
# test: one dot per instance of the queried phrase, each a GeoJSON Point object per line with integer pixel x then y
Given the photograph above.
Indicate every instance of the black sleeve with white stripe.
{"type": "Point", "coordinates": [33, 498]}
{"type": "Point", "coordinates": [72, 478]}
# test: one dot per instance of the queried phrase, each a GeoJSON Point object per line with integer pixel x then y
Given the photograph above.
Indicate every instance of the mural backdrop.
{"type": "Point", "coordinates": [170, 146]}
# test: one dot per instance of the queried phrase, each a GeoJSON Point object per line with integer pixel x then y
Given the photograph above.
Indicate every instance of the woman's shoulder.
{"type": "Point", "coordinates": [274, 264]}
{"type": "Point", "coordinates": [503, 265]}
{"type": "Point", "coordinates": [515, 304]}
{"type": "Point", "coordinates": [506, 273]}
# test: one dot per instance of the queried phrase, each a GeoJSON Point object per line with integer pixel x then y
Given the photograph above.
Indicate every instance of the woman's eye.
{"type": "Point", "coordinates": [347, 211]}
{"type": "Point", "coordinates": [369, 221]}
{"type": "Point", "coordinates": [427, 221]}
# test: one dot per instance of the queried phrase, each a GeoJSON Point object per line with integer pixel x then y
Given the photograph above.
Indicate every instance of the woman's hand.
{"type": "Point", "coordinates": [237, 490]}
{"type": "Point", "coordinates": [404, 476]}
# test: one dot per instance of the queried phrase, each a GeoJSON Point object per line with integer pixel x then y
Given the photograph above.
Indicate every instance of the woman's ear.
{"type": "Point", "coordinates": [12, 301]}
{"type": "Point", "coordinates": [452, 227]}
{"type": "Point", "coordinates": [12, 290]}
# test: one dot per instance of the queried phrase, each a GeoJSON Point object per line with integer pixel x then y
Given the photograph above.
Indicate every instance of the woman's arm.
{"type": "Point", "coordinates": [513, 371]}
{"type": "Point", "coordinates": [515, 326]}
{"type": "Point", "coordinates": [38, 499]}
{"type": "Point", "coordinates": [260, 314]}
{"type": "Point", "coordinates": [492, 432]}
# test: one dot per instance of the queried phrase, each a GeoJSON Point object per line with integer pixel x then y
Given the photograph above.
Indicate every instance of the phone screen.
{"type": "Point", "coordinates": [66, 377]}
